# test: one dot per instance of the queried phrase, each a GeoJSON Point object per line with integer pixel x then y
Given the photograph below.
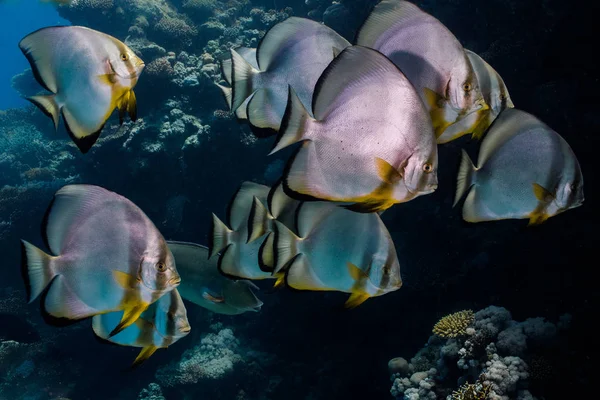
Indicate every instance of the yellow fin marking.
{"type": "Point", "coordinates": [484, 122]}
{"type": "Point", "coordinates": [280, 281]}
{"type": "Point", "coordinates": [130, 315]}
{"type": "Point", "coordinates": [387, 172]}
{"type": "Point", "coordinates": [132, 106]}
{"type": "Point", "coordinates": [125, 280]}
{"type": "Point", "coordinates": [107, 79]}
{"type": "Point", "coordinates": [144, 355]}
{"type": "Point", "coordinates": [356, 299]}
{"type": "Point", "coordinates": [356, 273]}
{"type": "Point", "coordinates": [433, 99]}
{"type": "Point", "coordinates": [536, 218]}
{"type": "Point", "coordinates": [542, 194]}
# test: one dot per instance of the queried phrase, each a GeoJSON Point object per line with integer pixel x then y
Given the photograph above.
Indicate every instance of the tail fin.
{"type": "Point", "coordinates": [294, 123]}
{"type": "Point", "coordinates": [242, 77]}
{"type": "Point", "coordinates": [286, 246]}
{"type": "Point", "coordinates": [266, 255]}
{"type": "Point", "coordinates": [227, 93]}
{"type": "Point", "coordinates": [258, 220]}
{"type": "Point", "coordinates": [220, 238]}
{"type": "Point", "coordinates": [465, 177]}
{"type": "Point", "coordinates": [48, 106]}
{"type": "Point", "coordinates": [36, 268]}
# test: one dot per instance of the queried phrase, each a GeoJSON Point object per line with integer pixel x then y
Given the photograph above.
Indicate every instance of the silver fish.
{"type": "Point", "coordinates": [108, 257]}
{"type": "Point", "coordinates": [293, 52]}
{"type": "Point", "coordinates": [238, 259]}
{"type": "Point", "coordinates": [495, 94]}
{"type": "Point", "coordinates": [525, 170]}
{"type": "Point", "coordinates": [89, 74]}
{"type": "Point", "coordinates": [202, 284]}
{"type": "Point", "coordinates": [161, 325]}
{"type": "Point", "coordinates": [370, 142]}
{"type": "Point", "coordinates": [430, 56]}
{"type": "Point", "coordinates": [338, 250]}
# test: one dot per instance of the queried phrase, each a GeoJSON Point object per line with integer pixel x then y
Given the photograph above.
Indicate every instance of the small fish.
{"type": "Point", "coordinates": [293, 52]}
{"type": "Point", "coordinates": [249, 54]}
{"type": "Point", "coordinates": [108, 257]}
{"type": "Point", "coordinates": [338, 250]}
{"type": "Point", "coordinates": [202, 284]}
{"type": "Point", "coordinates": [89, 74]}
{"type": "Point", "coordinates": [161, 325]}
{"type": "Point", "coordinates": [370, 143]}
{"type": "Point", "coordinates": [495, 94]}
{"type": "Point", "coordinates": [239, 259]}
{"type": "Point", "coordinates": [429, 55]}
{"type": "Point", "coordinates": [525, 170]}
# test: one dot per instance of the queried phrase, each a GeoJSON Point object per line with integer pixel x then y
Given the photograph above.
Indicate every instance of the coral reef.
{"type": "Point", "coordinates": [489, 362]}
{"type": "Point", "coordinates": [153, 392]}
{"type": "Point", "coordinates": [212, 359]}
{"type": "Point", "coordinates": [454, 325]}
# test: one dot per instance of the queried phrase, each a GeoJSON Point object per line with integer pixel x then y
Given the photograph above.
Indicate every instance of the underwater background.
{"type": "Point", "coordinates": [186, 156]}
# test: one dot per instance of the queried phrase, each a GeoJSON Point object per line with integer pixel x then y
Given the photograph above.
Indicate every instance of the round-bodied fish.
{"type": "Point", "coordinates": [525, 170]}
{"type": "Point", "coordinates": [370, 142]}
{"type": "Point", "coordinates": [338, 250]}
{"type": "Point", "coordinates": [238, 258]}
{"type": "Point", "coordinates": [161, 325]}
{"type": "Point", "coordinates": [89, 74]}
{"type": "Point", "coordinates": [292, 53]}
{"type": "Point", "coordinates": [495, 94]}
{"type": "Point", "coordinates": [429, 55]}
{"type": "Point", "coordinates": [202, 284]}
{"type": "Point", "coordinates": [107, 256]}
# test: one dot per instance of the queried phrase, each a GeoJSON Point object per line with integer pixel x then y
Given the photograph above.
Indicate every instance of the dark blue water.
{"type": "Point", "coordinates": [17, 19]}
{"type": "Point", "coordinates": [301, 345]}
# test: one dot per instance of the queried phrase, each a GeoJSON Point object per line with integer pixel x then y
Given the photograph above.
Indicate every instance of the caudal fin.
{"type": "Point", "coordinates": [48, 106]}
{"type": "Point", "coordinates": [220, 238]}
{"type": "Point", "coordinates": [36, 269]}
{"type": "Point", "coordinates": [294, 124]}
{"type": "Point", "coordinates": [258, 220]}
{"type": "Point", "coordinates": [285, 246]}
{"type": "Point", "coordinates": [242, 79]}
{"type": "Point", "coordinates": [465, 177]}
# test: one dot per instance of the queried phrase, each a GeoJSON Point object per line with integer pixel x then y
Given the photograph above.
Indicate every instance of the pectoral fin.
{"type": "Point", "coordinates": [542, 194]}
{"type": "Point", "coordinates": [356, 273]}
{"type": "Point", "coordinates": [214, 299]}
{"type": "Point", "coordinates": [125, 280]}
{"type": "Point", "coordinates": [387, 172]}
{"type": "Point", "coordinates": [433, 99]}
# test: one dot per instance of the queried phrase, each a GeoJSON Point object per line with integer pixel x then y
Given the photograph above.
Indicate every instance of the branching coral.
{"type": "Point", "coordinates": [454, 325]}
{"type": "Point", "coordinates": [479, 390]}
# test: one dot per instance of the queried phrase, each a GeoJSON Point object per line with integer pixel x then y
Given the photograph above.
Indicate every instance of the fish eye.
{"type": "Point", "coordinates": [467, 87]}
{"type": "Point", "coordinates": [124, 57]}
{"type": "Point", "coordinates": [161, 267]}
{"type": "Point", "coordinates": [427, 168]}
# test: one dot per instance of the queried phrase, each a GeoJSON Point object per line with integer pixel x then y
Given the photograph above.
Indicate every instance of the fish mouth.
{"type": "Point", "coordinates": [185, 329]}
{"type": "Point", "coordinates": [175, 281]}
